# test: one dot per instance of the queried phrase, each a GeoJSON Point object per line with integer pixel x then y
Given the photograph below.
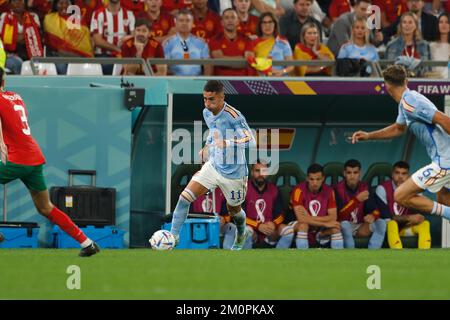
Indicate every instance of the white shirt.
{"type": "Point", "coordinates": [440, 52]}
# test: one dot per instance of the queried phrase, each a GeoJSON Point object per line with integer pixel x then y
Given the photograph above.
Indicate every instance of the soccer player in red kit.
{"type": "Point", "coordinates": [230, 44]}
{"type": "Point", "coordinates": [21, 158]}
{"type": "Point", "coordinates": [314, 205]}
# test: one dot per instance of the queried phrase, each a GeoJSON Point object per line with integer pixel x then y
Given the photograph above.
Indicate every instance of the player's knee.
{"type": "Point", "coordinates": [233, 210]}
{"type": "Point", "coordinates": [44, 209]}
{"type": "Point", "coordinates": [302, 227]}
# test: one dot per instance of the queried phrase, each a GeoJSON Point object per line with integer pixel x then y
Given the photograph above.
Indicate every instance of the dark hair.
{"type": "Point", "coordinates": [438, 34]}
{"type": "Point", "coordinates": [228, 9]}
{"type": "Point", "coordinates": [315, 168]}
{"type": "Point", "coordinates": [184, 11]}
{"type": "Point", "coordinates": [275, 21]}
{"type": "Point", "coordinates": [55, 4]}
{"type": "Point", "coordinates": [143, 22]}
{"type": "Point", "coordinates": [395, 75]}
{"type": "Point", "coordinates": [213, 86]}
{"type": "Point", "coordinates": [356, 2]}
{"type": "Point", "coordinates": [258, 161]}
{"type": "Point", "coordinates": [352, 163]}
{"type": "Point", "coordinates": [401, 165]}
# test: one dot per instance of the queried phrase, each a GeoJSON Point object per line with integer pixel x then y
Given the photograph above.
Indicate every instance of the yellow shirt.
{"type": "Point", "coordinates": [303, 53]}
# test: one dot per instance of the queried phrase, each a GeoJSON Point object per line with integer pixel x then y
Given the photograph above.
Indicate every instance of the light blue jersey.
{"type": "Point", "coordinates": [191, 48]}
{"type": "Point", "coordinates": [417, 112]}
{"type": "Point", "coordinates": [352, 51]}
{"type": "Point", "coordinates": [231, 125]}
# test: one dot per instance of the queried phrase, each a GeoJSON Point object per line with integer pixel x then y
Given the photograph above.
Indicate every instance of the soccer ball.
{"type": "Point", "coordinates": [162, 240]}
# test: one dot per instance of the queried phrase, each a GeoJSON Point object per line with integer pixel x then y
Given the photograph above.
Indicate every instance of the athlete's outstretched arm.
{"type": "Point", "coordinates": [443, 120]}
{"type": "Point", "coordinates": [392, 131]}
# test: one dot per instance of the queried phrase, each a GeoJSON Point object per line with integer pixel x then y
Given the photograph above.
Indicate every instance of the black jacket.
{"type": "Point", "coordinates": [428, 27]}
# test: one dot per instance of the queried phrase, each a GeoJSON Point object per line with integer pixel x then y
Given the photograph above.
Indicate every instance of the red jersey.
{"type": "Point", "coordinates": [248, 27]}
{"type": "Point", "coordinates": [171, 5]}
{"type": "Point", "coordinates": [22, 148]}
{"type": "Point", "coordinates": [136, 6]}
{"type": "Point", "coordinates": [230, 48]}
{"type": "Point", "coordinates": [160, 26]}
{"type": "Point", "coordinates": [338, 7]}
{"type": "Point", "coordinates": [88, 7]}
{"type": "Point", "coordinates": [316, 204]}
{"type": "Point", "coordinates": [394, 208]}
{"type": "Point", "coordinates": [204, 203]}
{"type": "Point", "coordinates": [152, 49]}
{"type": "Point", "coordinates": [392, 8]}
{"type": "Point", "coordinates": [350, 209]}
{"type": "Point", "coordinates": [208, 26]}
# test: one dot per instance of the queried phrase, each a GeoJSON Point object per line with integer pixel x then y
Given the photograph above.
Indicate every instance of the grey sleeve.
{"type": "Point", "coordinates": [339, 36]}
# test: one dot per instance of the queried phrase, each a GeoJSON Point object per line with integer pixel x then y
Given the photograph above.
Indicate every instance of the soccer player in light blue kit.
{"type": "Point", "coordinates": [432, 128]}
{"type": "Point", "coordinates": [226, 166]}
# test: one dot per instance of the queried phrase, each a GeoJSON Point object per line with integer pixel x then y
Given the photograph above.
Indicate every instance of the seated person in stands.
{"type": "Point", "coordinates": [271, 46]}
{"type": "Point", "coordinates": [14, 24]}
{"type": "Point", "coordinates": [409, 44]}
{"type": "Point", "coordinates": [184, 45]}
{"type": "Point", "coordinates": [247, 22]}
{"type": "Point", "coordinates": [230, 44]}
{"type": "Point", "coordinates": [142, 46]}
{"type": "Point", "coordinates": [161, 21]}
{"type": "Point", "coordinates": [314, 206]}
{"type": "Point", "coordinates": [403, 222]}
{"type": "Point", "coordinates": [357, 217]}
{"type": "Point", "coordinates": [264, 214]}
{"type": "Point", "coordinates": [440, 48]}
{"type": "Point", "coordinates": [359, 47]}
{"type": "Point", "coordinates": [62, 38]}
{"type": "Point", "coordinates": [310, 48]}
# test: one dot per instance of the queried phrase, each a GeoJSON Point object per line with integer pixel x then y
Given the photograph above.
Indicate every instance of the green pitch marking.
{"type": "Point", "coordinates": [219, 274]}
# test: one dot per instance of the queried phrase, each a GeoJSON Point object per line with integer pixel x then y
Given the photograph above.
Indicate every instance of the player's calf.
{"type": "Point", "coordinates": [181, 211]}
{"type": "Point", "coordinates": [347, 233]}
{"type": "Point", "coordinates": [337, 240]}
{"type": "Point", "coordinates": [286, 236]}
{"type": "Point", "coordinates": [301, 240]}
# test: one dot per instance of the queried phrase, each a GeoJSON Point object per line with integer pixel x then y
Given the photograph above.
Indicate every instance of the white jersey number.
{"type": "Point", "coordinates": [24, 119]}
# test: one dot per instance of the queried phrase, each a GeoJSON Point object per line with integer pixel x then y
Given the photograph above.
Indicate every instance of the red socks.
{"type": "Point", "coordinates": [66, 224]}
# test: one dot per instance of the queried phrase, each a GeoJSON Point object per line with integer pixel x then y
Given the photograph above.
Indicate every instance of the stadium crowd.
{"type": "Point", "coordinates": [260, 31]}
{"type": "Point", "coordinates": [321, 215]}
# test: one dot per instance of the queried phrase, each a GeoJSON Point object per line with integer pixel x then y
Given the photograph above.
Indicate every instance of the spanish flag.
{"type": "Point", "coordinates": [62, 34]}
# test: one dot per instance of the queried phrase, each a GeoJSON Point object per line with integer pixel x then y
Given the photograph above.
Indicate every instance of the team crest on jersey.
{"type": "Point", "coordinates": [398, 209]}
{"type": "Point", "coordinates": [164, 24]}
{"type": "Point", "coordinates": [354, 215]}
{"type": "Point", "coordinates": [241, 45]}
{"type": "Point", "coordinates": [260, 206]}
{"type": "Point", "coordinates": [209, 25]}
{"type": "Point", "coordinates": [207, 205]}
{"type": "Point", "coordinates": [314, 207]}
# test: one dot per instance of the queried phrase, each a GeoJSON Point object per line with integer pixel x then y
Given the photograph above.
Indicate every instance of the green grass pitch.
{"type": "Point", "coordinates": [220, 274]}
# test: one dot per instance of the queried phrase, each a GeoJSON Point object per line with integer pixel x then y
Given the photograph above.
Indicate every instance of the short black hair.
{"type": "Point", "coordinates": [213, 86]}
{"type": "Point", "coordinates": [352, 163]}
{"type": "Point", "coordinates": [401, 164]}
{"type": "Point", "coordinates": [315, 168]}
{"type": "Point", "coordinates": [143, 22]}
{"type": "Point", "coordinates": [184, 11]}
{"type": "Point", "coordinates": [228, 9]}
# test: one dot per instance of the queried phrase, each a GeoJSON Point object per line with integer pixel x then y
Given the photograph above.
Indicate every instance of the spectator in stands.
{"type": "Point", "coordinates": [263, 208]}
{"type": "Point", "coordinates": [40, 7]}
{"type": "Point", "coordinates": [433, 7]}
{"type": "Point", "coordinates": [247, 22]}
{"type": "Point", "coordinates": [314, 205]}
{"type": "Point", "coordinates": [270, 45]}
{"type": "Point", "coordinates": [184, 45]}
{"type": "Point", "coordinates": [359, 48]}
{"type": "Point", "coordinates": [206, 22]}
{"type": "Point", "coordinates": [143, 46]}
{"type": "Point", "coordinates": [63, 39]}
{"type": "Point", "coordinates": [440, 48]}
{"type": "Point", "coordinates": [162, 21]}
{"type": "Point", "coordinates": [230, 44]}
{"type": "Point", "coordinates": [219, 6]}
{"type": "Point", "coordinates": [341, 30]}
{"type": "Point", "coordinates": [110, 27]}
{"type": "Point", "coordinates": [338, 8]}
{"type": "Point", "coordinates": [357, 217]}
{"type": "Point", "coordinates": [391, 10]}
{"type": "Point", "coordinates": [291, 23]}
{"type": "Point", "coordinates": [13, 26]}
{"type": "Point", "coordinates": [408, 45]}
{"type": "Point", "coordinates": [315, 10]}
{"type": "Point", "coordinates": [403, 221]}
{"type": "Point", "coordinates": [135, 6]}
{"type": "Point", "coordinates": [310, 48]}
{"type": "Point", "coordinates": [172, 6]}
{"type": "Point", "coordinates": [262, 6]}
{"type": "Point", "coordinates": [88, 7]}
{"type": "Point", "coordinates": [428, 23]}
